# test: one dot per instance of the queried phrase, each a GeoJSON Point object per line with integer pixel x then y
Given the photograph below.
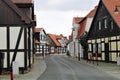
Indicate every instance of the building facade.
{"type": "Point", "coordinates": [16, 32]}
{"type": "Point", "coordinates": [103, 37]}
{"type": "Point", "coordinates": [57, 43]}
{"type": "Point", "coordinates": [41, 44]}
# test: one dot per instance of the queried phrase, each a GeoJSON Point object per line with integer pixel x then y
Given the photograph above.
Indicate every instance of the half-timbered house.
{"type": "Point", "coordinates": [104, 34]}
{"type": "Point", "coordinates": [57, 43]}
{"type": "Point", "coordinates": [16, 32]}
{"type": "Point", "coordinates": [41, 43]}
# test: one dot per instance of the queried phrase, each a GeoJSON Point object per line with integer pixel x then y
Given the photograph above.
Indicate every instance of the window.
{"type": "Point", "coordinates": [111, 25]}
{"type": "Point", "coordinates": [99, 47]}
{"type": "Point", "coordinates": [99, 24]}
{"type": "Point", "coordinates": [94, 48]}
{"type": "Point", "coordinates": [41, 37]}
{"type": "Point", "coordinates": [105, 23]}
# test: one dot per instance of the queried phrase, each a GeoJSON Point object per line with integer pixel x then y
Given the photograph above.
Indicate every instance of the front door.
{"type": "Point", "coordinates": [106, 52]}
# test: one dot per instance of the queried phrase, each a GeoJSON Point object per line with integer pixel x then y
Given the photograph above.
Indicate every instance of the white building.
{"type": "Point", "coordinates": [80, 25]}
{"type": "Point", "coordinates": [41, 44]}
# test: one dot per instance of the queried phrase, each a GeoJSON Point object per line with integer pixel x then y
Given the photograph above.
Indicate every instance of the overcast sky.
{"type": "Point", "coordinates": [56, 16]}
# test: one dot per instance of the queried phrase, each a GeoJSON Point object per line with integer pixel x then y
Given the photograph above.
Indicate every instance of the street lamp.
{"type": "Point", "coordinates": [78, 50]}
{"type": "Point", "coordinates": [116, 9]}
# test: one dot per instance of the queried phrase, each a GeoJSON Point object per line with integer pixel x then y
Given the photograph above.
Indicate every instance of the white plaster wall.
{"type": "Point", "coordinates": [14, 32]}
{"type": "Point", "coordinates": [81, 51]}
{"type": "Point", "coordinates": [76, 48]}
{"type": "Point", "coordinates": [19, 58]}
{"type": "Point", "coordinates": [88, 23]}
{"type": "Point", "coordinates": [71, 48]}
{"type": "Point", "coordinates": [3, 39]}
{"type": "Point", "coordinates": [5, 60]}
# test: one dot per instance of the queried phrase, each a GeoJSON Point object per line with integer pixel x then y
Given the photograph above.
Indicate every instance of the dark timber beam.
{"type": "Point", "coordinates": [8, 47]}
{"type": "Point", "coordinates": [29, 47]}
{"type": "Point", "coordinates": [17, 45]}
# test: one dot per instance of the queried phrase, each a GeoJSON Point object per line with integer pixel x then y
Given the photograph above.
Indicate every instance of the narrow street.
{"type": "Point", "coordinates": [60, 67]}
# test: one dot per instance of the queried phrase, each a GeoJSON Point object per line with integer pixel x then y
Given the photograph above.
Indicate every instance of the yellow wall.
{"type": "Point", "coordinates": [90, 47]}
{"type": "Point", "coordinates": [98, 40]}
{"type": "Point", "coordinates": [106, 40]}
{"type": "Point", "coordinates": [118, 45]}
{"type": "Point", "coordinates": [89, 41]}
{"type": "Point", "coordinates": [114, 57]}
{"type": "Point", "coordinates": [93, 41]}
{"type": "Point", "coordinates": [118, 37]}
{"type": "Point", "coordinates": [113, 38]}
{"type": "Point", "coordinates": [113, 45]}
{"type": "Point", "coordinates": [103, 47]}
{"type": "Point", "coordinates": [103, 56]}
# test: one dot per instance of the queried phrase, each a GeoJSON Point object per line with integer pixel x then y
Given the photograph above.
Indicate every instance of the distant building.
{"type": "Point", "coordinates": [57, 43]}
{"type": "Point", "coordinates": [41, 44]}
{"type": "Point", "coordinates": [73, 45]}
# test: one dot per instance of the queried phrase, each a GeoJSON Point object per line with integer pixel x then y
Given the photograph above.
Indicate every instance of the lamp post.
{"type": "Point", "coordinates": [116, 9]}
{"type": "Point", "coordinates": [78, 50]}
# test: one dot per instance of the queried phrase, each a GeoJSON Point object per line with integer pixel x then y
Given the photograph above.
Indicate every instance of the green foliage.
{"type": "Point", "coordinates": [83, 40]}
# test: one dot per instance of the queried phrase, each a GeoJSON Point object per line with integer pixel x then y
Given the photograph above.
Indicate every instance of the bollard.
{"type": "Point", "coordinates": [11, 74]}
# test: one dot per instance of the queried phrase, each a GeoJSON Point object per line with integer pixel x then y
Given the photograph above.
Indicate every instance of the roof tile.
{"type": "Point", "coordinates": [84, 21]}
{"type": "Point", "coordinates": [37, 29]}
{"type": "Point", "coordinates": [22, 1]}
{"type": "Point", "coordinates": [111, 5]}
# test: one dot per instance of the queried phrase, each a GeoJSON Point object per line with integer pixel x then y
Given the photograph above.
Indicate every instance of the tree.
{"type": "Point", "coordinates": [83, 40]}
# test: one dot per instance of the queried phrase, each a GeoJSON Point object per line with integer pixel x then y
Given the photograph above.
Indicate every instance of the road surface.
{"type": "Point", "coordinates": [60, 67]}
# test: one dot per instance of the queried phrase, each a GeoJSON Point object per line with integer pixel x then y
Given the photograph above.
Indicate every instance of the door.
{"type": "Point", "coordinates": [106, 52]}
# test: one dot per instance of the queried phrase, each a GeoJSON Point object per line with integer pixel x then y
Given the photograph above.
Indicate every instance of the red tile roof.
{"type": "Point", "coordinates": [111, 5]}
{"type": "Point", "coordinates": [54, 38]}
{"type": "Point", "coordinates": [82, 28]}
{"type": "Point", "coordinates": [84, 21]}
{"type": "Point", "coordinates": [77, 19]}
{"type": "Point", "coordinates": [22, 1]}
{"type": "Point", "coordinates": [37, 29]}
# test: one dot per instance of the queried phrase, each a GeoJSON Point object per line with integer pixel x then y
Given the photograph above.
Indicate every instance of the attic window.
{"type": "Point", "coordinates": [105, 23]}
{"type": "Point", "coordinates": [99, 24]}
{"type": "Point", "coordinates": [111, 25]}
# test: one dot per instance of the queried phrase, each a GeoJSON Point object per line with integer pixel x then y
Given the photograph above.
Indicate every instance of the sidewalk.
{"type": "Point", "coordinates": [38, 68]}
{"type": "Point", "coordinates": [110, 68]}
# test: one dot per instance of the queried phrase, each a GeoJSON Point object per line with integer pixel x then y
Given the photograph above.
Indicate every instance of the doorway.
{"type": "Point", "coordinates": [106, 52]}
